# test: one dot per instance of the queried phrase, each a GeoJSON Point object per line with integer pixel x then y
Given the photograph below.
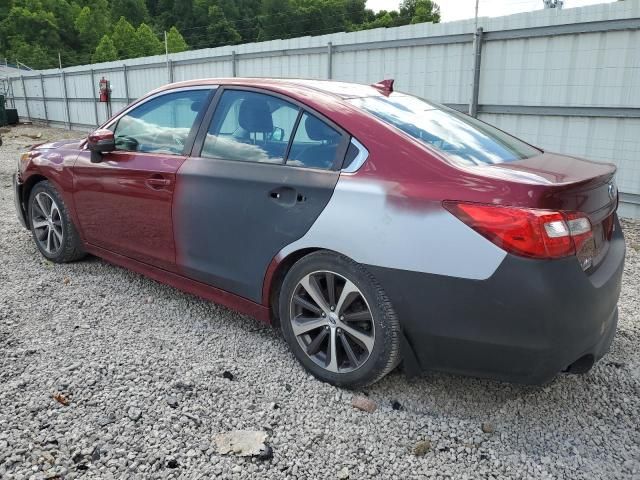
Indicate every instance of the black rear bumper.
{"type": "Point", "coordinates": [17, 197]}
{"type": "Point", "coordinates": [529, 321]}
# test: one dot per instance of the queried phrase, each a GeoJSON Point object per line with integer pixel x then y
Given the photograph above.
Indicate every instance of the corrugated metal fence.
{"type": "Point", "coordinates": [568, 81]}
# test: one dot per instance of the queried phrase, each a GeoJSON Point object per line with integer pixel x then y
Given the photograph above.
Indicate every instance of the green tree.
{"type": "Point", "coordinates": [65, 13]}
{"type": "Point", "coordinates": [220, 30]}
{"type": "Point", "coordinates": [125, 39]}
{"type": "Point", "coordinates": [418, 11]}
{"type": "Point", "coordinates": [355, 11]}
{"type": "Point", "coordinates": [30, 35]}
{"type": "Point", "coordinates": [31, 54]}
{"type": "Point", "coordinates": [105, 51]}
{"type": "Point", "coordinates": [4, 9]}
{"type": "Point", "coordinates": [36, 30]}
{"type": "Point", "coordinates": [135, 11]}
{"type": "Point", "coordinates": [93, 22]}
{"type": "Point", "coordinates": [148, 43]}
{"type": "Point", "coordinates": [181, 13]}
{"type": "Point", "coordinates": [175, 41]}
{"type": "Point", "coordinates": [241, 13]}
{"type": "Point", "coordinates": [275, 19]}
{"type": "Point", "coordinates": [38, 26]}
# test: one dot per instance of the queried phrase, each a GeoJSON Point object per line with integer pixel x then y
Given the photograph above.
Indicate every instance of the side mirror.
{"type": "Point", "coordinates": [99, 142]}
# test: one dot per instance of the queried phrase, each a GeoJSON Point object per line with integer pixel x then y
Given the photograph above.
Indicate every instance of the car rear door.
{"type": "Point", "coordinates": [257, 181]}
{"type": "Point", "coordinates": [124, 202]}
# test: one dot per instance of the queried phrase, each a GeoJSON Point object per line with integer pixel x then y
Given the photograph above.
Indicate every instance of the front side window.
{"type": "Point", "coordinates": [162, 124]}
{"type": "Point", "coordinates": [250, 126]}
{"type": "Point", "coordinates": [460, 137]}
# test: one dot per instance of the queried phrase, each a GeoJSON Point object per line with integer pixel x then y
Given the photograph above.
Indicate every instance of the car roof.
{"type": "Point", "coordinates": [342, 90]}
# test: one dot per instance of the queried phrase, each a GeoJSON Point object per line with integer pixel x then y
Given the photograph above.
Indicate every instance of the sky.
{"type": "Point", "coordinates": [452, 10]}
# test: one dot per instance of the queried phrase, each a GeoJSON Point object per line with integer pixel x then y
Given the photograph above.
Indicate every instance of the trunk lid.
{"type": "Point", "coordinates": [573, 185]}
{"type": "Point", "coordinates": [567, 183]}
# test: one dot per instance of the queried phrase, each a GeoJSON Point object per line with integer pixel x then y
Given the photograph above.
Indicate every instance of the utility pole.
{"type": "Point", "coordinates": [473, 101]}
{"type": "Point", "coordinates": [59, 61]}
{"type": "Point", "coordinates": [166, 54]}
{"type": "Point", "coordinates": [476, 22]}
{"type": "Point", "coordinates": [166, 46]}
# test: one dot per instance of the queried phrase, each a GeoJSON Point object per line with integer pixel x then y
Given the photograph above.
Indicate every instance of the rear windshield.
{"type": "Point", "coordinates": [460, 137]}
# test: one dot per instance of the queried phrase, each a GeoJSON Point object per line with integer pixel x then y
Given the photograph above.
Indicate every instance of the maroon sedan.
{"type": "Point", "coordinates": [372, 226]}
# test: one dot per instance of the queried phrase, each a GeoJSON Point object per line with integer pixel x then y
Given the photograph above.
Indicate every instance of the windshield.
{"type": "Point", "coordinates": [459, 136]}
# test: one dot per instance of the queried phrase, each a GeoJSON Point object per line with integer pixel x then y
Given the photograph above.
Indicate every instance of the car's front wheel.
{"type": "Point", "coordinates": [53, 231]}
{"type": "Point", "coordinates": [338, 320]}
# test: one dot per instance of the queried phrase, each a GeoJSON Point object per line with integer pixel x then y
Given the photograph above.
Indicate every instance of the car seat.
{"type": "Point", "coordinates": [323, 154]}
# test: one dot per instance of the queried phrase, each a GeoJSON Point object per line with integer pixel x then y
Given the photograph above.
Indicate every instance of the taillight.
{"type": "Point", "coordinates": [527, 232]}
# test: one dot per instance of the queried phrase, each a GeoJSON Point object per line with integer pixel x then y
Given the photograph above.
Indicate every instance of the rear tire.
{"type": "Point", "coordinates": [338, 321]}
{"type": "Point", "coordinates": [53, 231]}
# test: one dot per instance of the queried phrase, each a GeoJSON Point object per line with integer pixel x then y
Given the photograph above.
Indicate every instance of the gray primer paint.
{"type": "Point", "coordinates": [364, 222]}
{"type": "Point", "coordinates": [231, 218]}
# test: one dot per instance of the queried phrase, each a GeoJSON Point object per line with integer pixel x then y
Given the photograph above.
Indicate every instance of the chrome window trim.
{"type": "Point", "coordinates": [357, 162]}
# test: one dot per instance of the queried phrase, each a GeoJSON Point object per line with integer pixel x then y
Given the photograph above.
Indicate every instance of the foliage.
{"type": "Point", "coordinates": [35, 31]}
{"type": "Point", "coordinates": [147, 41]}
{"type": "Point", "coordinates": [135, 11]}
{"type": "Point", "coordinates": [125, 39]}
{"type": "Point", "coordinates": [105, 51]}
{"type": "Point", "coordinates": [175, 41]}
{"type": "Point", "coordinates": [220, 30]}
{"type": "Point", "coordinates": [420, 11]}
{"type": "Point", "coordinates": [93, 22]}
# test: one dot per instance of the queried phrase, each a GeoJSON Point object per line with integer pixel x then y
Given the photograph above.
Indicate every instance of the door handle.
{"type": "Point", "coordinates": [157, 182]}
{"type": "Point", "coordinates": [286, 196]}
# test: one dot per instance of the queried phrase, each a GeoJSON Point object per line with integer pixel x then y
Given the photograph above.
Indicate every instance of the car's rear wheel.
{"type": "Point", "coordinates": [53, 232]}
{"type": "Point", "coordinates": [338, 320]}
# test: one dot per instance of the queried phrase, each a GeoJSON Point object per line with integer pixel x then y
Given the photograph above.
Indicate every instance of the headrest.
{"type": "Point", "coordinates": [318, 130]}
{"type": "Point", "coordinates": [255, 115]}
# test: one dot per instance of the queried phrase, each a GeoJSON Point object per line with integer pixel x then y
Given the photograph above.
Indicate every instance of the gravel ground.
{"type": "Point", "coordinates": [142, 368]}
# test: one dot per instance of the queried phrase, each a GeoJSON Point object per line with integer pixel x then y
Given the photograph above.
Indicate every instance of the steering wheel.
{"type": "Point", "coordinates": [129, 143]}
{"type": "Point", "coordinates": [162, 139]}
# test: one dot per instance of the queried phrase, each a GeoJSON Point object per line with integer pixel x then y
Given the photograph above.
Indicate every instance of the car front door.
{"type": "Point", "coordinates": [262, 170]}
{"type": "Point", "coordinates": [123, 203]}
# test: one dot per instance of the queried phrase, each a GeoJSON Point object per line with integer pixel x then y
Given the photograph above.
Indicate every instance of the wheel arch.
{"type": "Point", "coordinates": [27, 187]}
{"type": "Point", "coordinates": [278, 269]}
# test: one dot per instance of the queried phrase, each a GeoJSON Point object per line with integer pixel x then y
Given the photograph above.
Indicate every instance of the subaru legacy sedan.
{"type": "Point", "coordinates": [371, 226]}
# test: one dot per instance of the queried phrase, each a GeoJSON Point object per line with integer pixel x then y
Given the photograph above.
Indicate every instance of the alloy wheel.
{"type": "Point", "coordinates": [47, 223]}
{"type": "Point", "coordinates": [332, 321]}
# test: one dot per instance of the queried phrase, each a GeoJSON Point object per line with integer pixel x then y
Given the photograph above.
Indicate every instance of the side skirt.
{"type": "Point", "coordinates": [207, 292]}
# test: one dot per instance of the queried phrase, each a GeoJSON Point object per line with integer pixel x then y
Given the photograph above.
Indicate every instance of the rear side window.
{"type": "Point", "coordinates": [250, 126]}
{"type": "Point", "coordinates": [460, 137]}
{"type": "Point", "coordinates": [315, 144]}
{"type": "Point", "coordinates": [162, 124]}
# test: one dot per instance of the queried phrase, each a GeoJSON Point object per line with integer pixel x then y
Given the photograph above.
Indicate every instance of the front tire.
{"type": "Point", "coordinates": [53, 231]}
{"type": "Point", "coordinates": [338, 321]}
